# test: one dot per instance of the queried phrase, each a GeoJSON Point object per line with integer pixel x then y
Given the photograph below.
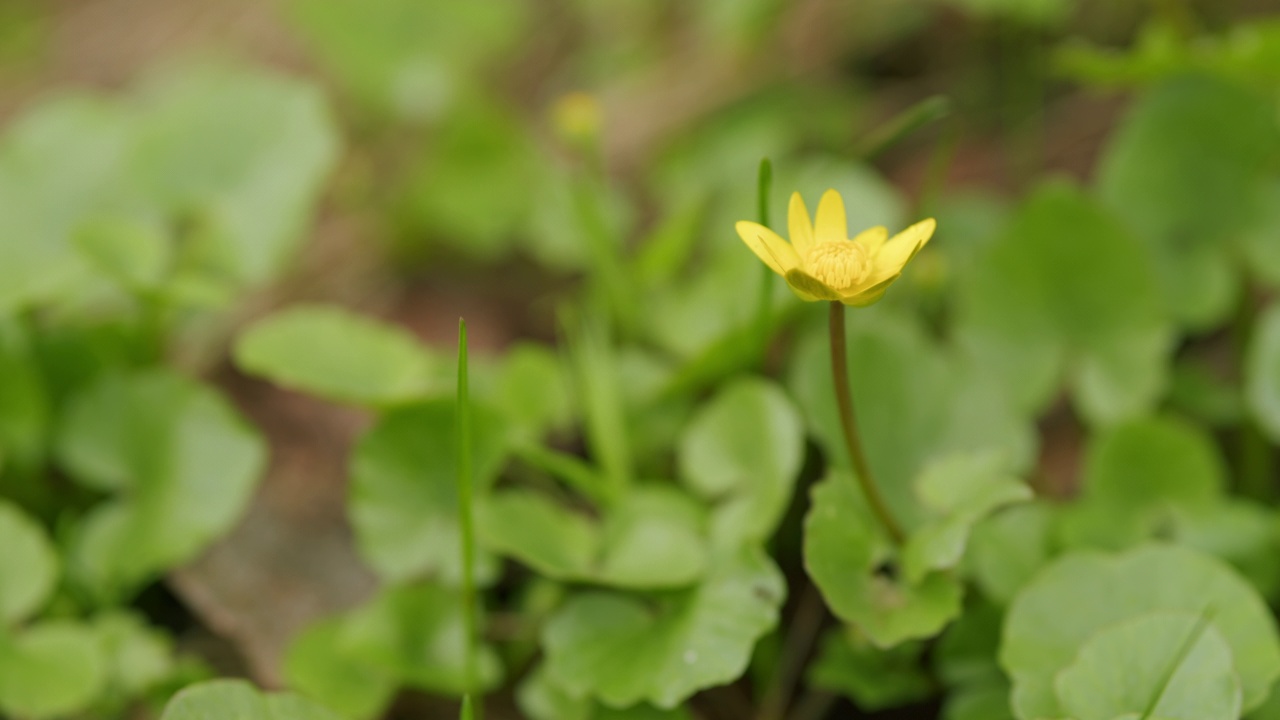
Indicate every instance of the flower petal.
{"type": "Point", "coordinates": [899, 250]}
{"type": "Point", "coordinates": [765, 243]}
{"type": "Point", "coordinates": [799, 226]}
{"type": "Point", "coordinates": [805, 284]}
{"type": "Point", "coordinates": [831, 225]}
{"type": "Point", "coordinates": [872, 239]}
{"type": "Point", "coordinates": [867, 294]}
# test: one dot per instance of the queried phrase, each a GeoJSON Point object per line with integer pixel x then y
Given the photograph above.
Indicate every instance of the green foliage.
{"type": "Point", "coordinates": [239, 699]}
{"type": "Point", "coordinates": [1048, 632]}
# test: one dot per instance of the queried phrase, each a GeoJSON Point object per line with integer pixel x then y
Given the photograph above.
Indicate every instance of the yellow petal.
{"type": "Point", "coordinates": [898, 251]}
{"type": "Point", "coordinates": [799, 226]}
{"type": "Point", "coordinates": [866, 294]}
{"type": "Point", "coordinates": [765, 243]}
{"type": "Point", "coordinates": [831, 225]}
{"type": "Point", "coordinates": [808, 287]}
{"type": "Point", "coordinates": [872, 239]}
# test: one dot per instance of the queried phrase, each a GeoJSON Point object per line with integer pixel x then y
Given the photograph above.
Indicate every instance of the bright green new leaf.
{"type": "Point", "coordinates": [743, 450]}
{"type": "Point", "coordinates": [1165, 665]}
{"type": "Point", "coordinates": [1067, 290]}
{"type": "Point", "coordinates": [848, 556]}
{"type": "Point", "coordinates": [541, 699]}
{"type": "Point", "coordinates": [1186, 171]}
{"type": "Point", "coordinates": [180, 461]}
{"type": "Point", "coordinates": [652, 538]}
{"type": "Point", "coordinates": [339, 355]}
{"type": "Point", "coordinates": [404, 496]}
{"type": "Point", "coordinates": [623, 650]}
{"type": "Point", "coordinates": [1067, 603]}
{"type": "Point", "coordinates": [227, 699]}
{"type": "Point", "coordinates": [50, 669]}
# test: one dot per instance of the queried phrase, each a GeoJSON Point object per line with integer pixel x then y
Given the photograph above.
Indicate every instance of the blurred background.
{"type": "Point", "coordinates": [421, 160]}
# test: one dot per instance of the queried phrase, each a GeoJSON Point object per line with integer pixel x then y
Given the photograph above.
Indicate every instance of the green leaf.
{"type": "Point", "coordinates": [50, 669]}
{"type": "Point", "coordinates": [1166, 665]}
{"type": "Point", "coordinates": [323, 662]}
{"type": "Point", "coordinates": [533, 390]}
{"type": "Point", "coordinates": [874, 679]}
{"type": "Point", "coordinates": [138, 657]}
{"type": "Point", "coordinates": [989, 701]}
{"type": "Point", "coordinates": [959, 490]}
{"type": "Point", "coordinates": [1081, 593]}
{"type": "Point", "coordinates": [541, 699]}
{"type": "Point", "coordinates": [1262, 372]}
{"type": "Point", "coordinates": [848, 556]}
{"type": "Point", "coordinates": [243, 153]}
{"type": "Point", "coordinates": [915, 401]}
{"type": "Point", "coordinates": [24, 398]}
{"type": "Point", "coordinates": [1186, 171]}
{"type": "Point", "coordinates": [28, 565]}
{"type": "Point", "coordinates": [743, 450]}
{"type": "Point", "coordinates": [135, 251]}
{"type": "Point", "coordinates": [219, 699]}
{"type": "Point", "coordinates": [1136, 475]}
{"type": "Point", "coordinates": [58, 163]}
{"type": "Point", "coordinates": [418, 633]}
{"type": "Point", "coordinates": [653, 538]}
{"type": "Point", "coordinates": [622, 650]}
{"type": "Point", "coordinates": [1008, 548]}
{"type": "Point", "coordinates": [338, 355]}
{"type": "Point", "coordinates": [180, 462]}
{"type": "Point", "coordinates": [1068, 290]}
{"type": "Point", "coordinates": [404, 495]}
{"type": "Point", "coordinates": [406, 57]}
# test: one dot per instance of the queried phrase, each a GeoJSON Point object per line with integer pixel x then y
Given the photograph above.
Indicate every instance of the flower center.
{"type": "Point", "coordinates": [838, 264]}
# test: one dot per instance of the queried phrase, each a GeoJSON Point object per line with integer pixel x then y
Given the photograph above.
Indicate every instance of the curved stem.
{"type": "Point", "coordinates": [861, 469]}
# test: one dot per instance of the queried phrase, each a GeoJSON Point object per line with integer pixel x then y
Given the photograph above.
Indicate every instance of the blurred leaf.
{"type": "Point", "coordinates": [1066, 289]}
{"type": "Point", "coordinates": [471, 189]}
{"type": "Point", "coordinates": [404, 497]}
{"type": "Point", "coordinates": [1165, 665]}
{"type": "Point", "coordinates": [1200, 392]}
{"type": "Point", "coordinates": [28, 565]}
{"type": "Point", "coordinates": [874, 679]}
{"type": "Point", "coordinates": [595, 365]}
{"type": "Point", "coordinates": [58, 163]}
{"type": "Point", "coordinates": [134, 251]}
{"type": "Point", "coordinates": [180, 461]}
{"type": "Point", "coordinates": [50, 669]}
{"type": "Point", "coordinates": [558, 235]}
{"type": "Point", "coordinates": [240, 700]}
{"type": "Point", "coordinates": [1066, 604]}
{"type": "Point", "coordinates": [621, 650]}
{"type": "Point", "coordinates": [533, 389]}
{"type": "Point", "coordinates": [743, 449]}
{"type": "Point", "coordinates": [138, 656]}
{"type": "Point", "coordinates": [652, 538]}
{"type": "Point", "coordinates": [959, 490]}
{"type": "Point", "coordinates": [849, 557]}
{"type": "Point", "coordinates": [541, 699]}
{"type": "Point", "coordinates": [1186, 171]}
{"type": "Point", "coordinates": [417, 634]}
{"type": "Point", "coordinates": [24, 402]}
{"type": "Point", "coordinates": [323, 663]}
{"type": "Point", "coordinates": [989, 701]}
{"type": "Point", "coordinates": [1007, 549]}
{"type": "Point", "coordinates": [407, 57]}
{"type": "Point", "coordinates": [243, 153]}
{"type": "Point", "coordinates": [337, 354]}
{"type": "Point", "coordinates": [1262, 372]}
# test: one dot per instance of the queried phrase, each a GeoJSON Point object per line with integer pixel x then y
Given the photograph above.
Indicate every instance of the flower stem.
{"type": "Point", "coordinates": [861, 469]}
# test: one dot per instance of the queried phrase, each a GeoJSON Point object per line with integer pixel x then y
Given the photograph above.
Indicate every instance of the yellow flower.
{"type": "Point", "coordinates": [822, 263]}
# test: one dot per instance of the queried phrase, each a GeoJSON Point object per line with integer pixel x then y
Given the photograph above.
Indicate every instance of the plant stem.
{"type": "Point", "coordinates": [764, 310]}
{"type": "Point", "coordinates": [466, 530]}
{"type": "Point", "coordinates": [861, 469]}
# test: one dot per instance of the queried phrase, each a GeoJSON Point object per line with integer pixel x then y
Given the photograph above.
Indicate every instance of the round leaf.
{"type": "Point", "coordinates": [336, 354]}
{"type": "Point", "coordinates": [50, 669]}
{"type": "Point", "coordinates": [28, 565]}
{"type": "Point", "coordinates": [240, 700]}
{"type": "Point", "coordinates": [1081, 593]}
